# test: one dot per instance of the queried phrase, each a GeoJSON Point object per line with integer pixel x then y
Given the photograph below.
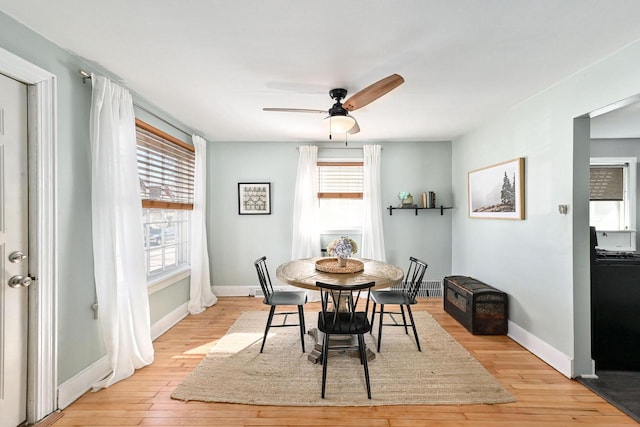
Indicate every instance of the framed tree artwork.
{"type": "Point", "coordinates": [497, 191]}
{"type": "Point", "coordinates": [254, 198]}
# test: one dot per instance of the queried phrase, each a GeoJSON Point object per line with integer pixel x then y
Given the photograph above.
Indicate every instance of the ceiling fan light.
{"type": "Point", "coordinates": [339, 124]}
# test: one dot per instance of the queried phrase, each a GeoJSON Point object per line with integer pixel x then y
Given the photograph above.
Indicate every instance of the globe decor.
{"type": "Point", "coordinates": [342, 248]}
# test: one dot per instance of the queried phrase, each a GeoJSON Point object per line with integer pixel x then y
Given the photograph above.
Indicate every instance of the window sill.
{"type": "Point", "coordinates": [165, 280]}
{"type": "Point", "coordinates": [342, 231]}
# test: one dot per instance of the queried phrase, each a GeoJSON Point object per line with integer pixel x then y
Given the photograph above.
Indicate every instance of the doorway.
{"type": "Point", "coordinates": [14, 251]}
{"type": "Point", "coordinates": [615, 265]}
{"type": "Point", "coordinates": [41, 124]}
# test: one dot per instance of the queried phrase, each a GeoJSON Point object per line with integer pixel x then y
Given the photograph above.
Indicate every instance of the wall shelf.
{"type": "Point", "coordinates": [441, 209]}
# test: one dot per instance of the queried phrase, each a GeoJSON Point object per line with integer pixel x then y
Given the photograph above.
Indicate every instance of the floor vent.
{"type": "Point", "coordinates": [428, 289]}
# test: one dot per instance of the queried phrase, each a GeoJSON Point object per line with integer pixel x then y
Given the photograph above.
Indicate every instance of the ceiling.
{"type": "Point", "coordinates": [213, 64]}
{"type": "Point", "coordinates": [623, 122]}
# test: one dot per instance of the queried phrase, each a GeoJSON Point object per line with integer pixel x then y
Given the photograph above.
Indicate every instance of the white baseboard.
{"type": "Point", "coordinates": [243, 291]}
{"type": "Point", "coordinates": [168, 321]}
{"type": "Point", "coordinates": [82, 382]}
{"type": "Point", "coordinates": [549, 354]}
{"type": "Point", "coordinates": [79, 384]}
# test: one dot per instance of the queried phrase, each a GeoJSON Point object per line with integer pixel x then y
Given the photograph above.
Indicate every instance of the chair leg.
{"type": "Point", "coordinates": [404, 319]}
{"type": "Point", "coordinates": [373, 316]}
{"type": "Point", "coordinates": [363, 357]}
{"type": "Point", "coordinates": [413, 324]}
{"type": "Point", "coordinates": [325, 361]}
{"type": "Point", "coordinates": [266, 329]}
{"type": "Point", "coordinates": [380, 320]}
{"type": "Point", "coordinates": [302, 327]}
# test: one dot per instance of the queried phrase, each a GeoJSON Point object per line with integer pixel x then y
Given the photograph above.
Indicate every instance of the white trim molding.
{"type": "Point", "coordinates": [549, 354]}
{"type": "Point", "coordinates": [42, 355]}
{"type": "Point", "coordinates": [168, 321]}
{"type": "Point", "coordinates": [82, 382]}
{"type": "Point", "coordinates": [165, 280]}
{"type": "Point", "coordinates": [243, 291]}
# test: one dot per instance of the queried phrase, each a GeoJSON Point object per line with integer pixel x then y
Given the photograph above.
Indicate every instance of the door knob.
{"type": "Point", "coordinates": [19, 281]}
{"type": "Point", "coordinates": [17, 256]}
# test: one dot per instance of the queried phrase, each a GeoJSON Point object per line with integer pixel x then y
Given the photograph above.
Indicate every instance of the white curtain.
{"type": "Point", "coordinates": [306, 237]}
{"type": "Point", "coordinates": [201, 295]}
{"type": "Point", "coordinates": [118, 248]}
{"type": "Point", "coordinates": [372, 231]}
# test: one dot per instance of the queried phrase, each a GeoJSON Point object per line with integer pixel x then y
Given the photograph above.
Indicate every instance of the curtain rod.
{"type": "Point", "coordinates": [339, 148]}
{"type": "Point", "coordinates": [86, 76]}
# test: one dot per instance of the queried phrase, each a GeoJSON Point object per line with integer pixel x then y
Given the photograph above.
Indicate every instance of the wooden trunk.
{"type": "Point", "coordinates": [480, 308]}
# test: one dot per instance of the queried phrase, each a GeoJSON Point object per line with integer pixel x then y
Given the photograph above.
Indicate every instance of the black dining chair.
{"type": "Point", "coordinates": [345, 311]}
{"type": "Point", "coordinates": [274, 299]}
{"type": "Point", "coordinates": [404, 298]}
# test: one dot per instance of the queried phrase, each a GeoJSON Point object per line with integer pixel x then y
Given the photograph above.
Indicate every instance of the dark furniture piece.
{"type": "Point", "coordinates": [345, 311]}
{"type": "Point", "coordinates": [274, 299]}
{"type": "Point", "coordinates": [615, 309]}
{"type": "Point", "coordinates": [404, 297]}
{"type": "Point", "coordinates": [480, 308]}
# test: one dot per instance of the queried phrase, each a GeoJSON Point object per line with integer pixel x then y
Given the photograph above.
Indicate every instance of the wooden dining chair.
{"type": "Point", "coordinates": [345, 311]}
{"type": "Point", "coordinates": [275, 299]}
{"type": "Point", "coordinates": [404, 298]}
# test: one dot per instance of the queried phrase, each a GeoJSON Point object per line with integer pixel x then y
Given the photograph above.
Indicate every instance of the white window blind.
{"type": "Point", "coordinates": [166, 169]}
{"type": "Point", "coordinates": [340, 180]}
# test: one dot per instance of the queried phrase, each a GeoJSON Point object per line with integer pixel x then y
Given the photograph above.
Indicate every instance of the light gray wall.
{"type": "Point", "coordinates": [543, 261]}
{"type": "Point", "coordinates": [235, 241]}
{"type": "Point", "coordinates": [79, 339]}
{"type": "Point", "coordinates": [627, 147]}
{"type": "Point", "coordinates": [418, 167]}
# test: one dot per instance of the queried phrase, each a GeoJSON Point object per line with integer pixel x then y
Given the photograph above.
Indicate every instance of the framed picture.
{"type": "Point", "coordinates": [254, 198]}
{"type": "Point", "coordinates": [497, 191]}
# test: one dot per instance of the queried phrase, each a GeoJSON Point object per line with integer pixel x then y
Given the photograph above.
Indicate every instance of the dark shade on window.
{"type": "Point", "coordinates": [606, 183]}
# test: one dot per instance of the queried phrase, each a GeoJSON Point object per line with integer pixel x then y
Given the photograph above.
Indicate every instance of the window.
{"type": "Point", "coordinates": [166, 239]}
{"type": "Point", "coordinates": [166, 169]}
{"type": "Point", "coordinates": [612, 193]}
{"type": "Point", "coordinates": [340, 196]}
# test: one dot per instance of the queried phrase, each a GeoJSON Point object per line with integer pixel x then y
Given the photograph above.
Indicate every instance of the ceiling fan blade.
{"type": "Point", "coordinates": [373, 92]}
{"type": "Point", "coordinates": [355, 128]}
{"type": "Point", "coordinates": [295, 110]}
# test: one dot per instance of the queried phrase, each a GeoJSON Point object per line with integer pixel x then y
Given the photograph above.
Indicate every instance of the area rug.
{"type": "Point", "coordinates": [235, 371]}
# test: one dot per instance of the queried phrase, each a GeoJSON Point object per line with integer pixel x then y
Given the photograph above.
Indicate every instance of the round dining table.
{"type": "Point", "coordinates": [303, 273]}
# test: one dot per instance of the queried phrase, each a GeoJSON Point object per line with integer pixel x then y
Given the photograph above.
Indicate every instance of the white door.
{"type": "Point", "coordinates": [13, 252]}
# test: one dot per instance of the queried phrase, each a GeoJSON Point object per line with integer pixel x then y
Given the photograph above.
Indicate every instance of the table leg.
{"type": "Point", "coordinates": [345, 342]}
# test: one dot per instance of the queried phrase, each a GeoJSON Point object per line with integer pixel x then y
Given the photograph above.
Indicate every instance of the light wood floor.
{"type": "Point", "coordinates": [544, 397]}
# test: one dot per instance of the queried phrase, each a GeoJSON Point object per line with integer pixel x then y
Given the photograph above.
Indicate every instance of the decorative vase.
{"type": "Point", "coordinates": [342, 262]}
{"type": "Point", "coordinates": [408, 200]}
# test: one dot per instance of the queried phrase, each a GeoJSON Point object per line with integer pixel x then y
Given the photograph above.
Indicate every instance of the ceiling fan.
{"type": "Point", "coordinates": [338, 119]}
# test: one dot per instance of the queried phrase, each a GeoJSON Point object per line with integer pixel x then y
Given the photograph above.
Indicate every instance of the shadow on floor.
{"type": "Point", "coordinates": [620, 388]}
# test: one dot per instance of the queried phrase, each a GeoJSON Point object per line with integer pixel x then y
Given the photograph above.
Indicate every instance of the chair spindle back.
{"type": "Point", "coordinates": [340, 304]}
{"type": "Point", "coordinates": [414, 276]}
{"type": "Point", "coordinates": [263, 276]}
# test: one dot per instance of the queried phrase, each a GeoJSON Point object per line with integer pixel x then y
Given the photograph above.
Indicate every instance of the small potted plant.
{"type": "Point", "coordinates": [342, 248]}
{"type": "Point", "coordinates": [405, 198]}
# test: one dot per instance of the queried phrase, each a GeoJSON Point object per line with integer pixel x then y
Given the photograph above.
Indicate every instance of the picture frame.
{"type": "Point", "coordinates": [254, 198]}
{"type": "Point", "coordinates": [497, 191]}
